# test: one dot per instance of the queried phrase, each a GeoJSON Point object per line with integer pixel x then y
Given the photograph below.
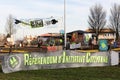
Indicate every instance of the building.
{"type": "Point", "coordinates": [2, 39]}
{"type": "Point", "coordinates": [105, 33]}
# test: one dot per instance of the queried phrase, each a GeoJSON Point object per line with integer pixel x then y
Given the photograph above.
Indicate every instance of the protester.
{"type": "Point", "coordinates": [68, 44]}
{"type": "Point", "coordinates": [40, 41]}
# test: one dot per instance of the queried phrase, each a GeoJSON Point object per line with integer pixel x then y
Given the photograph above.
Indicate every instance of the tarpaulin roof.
{"type": "Point", "coordinates": [79, 31]}
{"type": "Point", "coordinates": [50, 35]}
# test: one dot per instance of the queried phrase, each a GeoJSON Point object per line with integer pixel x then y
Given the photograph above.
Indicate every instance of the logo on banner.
{"type": "Point", "coordinates": [13, 62]}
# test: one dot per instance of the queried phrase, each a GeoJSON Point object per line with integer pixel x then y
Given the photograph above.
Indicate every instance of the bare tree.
{"type": "Point", "coordinates": [115, 19]}
{"type": "Point", "coordinates": [10, 28]}
{"type": "Point", "coordinates": [97, 19]}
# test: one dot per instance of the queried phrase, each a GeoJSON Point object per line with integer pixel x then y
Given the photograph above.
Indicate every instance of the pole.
{"type": "Point", "coordinates": [65, 24]}
{"type": "Point", "coordinates": [10, 49]}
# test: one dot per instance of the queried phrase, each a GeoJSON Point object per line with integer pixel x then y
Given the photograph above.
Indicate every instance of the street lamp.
{"type": "Point", "coordinates": [65, 24]}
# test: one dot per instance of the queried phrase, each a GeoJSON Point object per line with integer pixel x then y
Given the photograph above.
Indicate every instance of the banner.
{"type": "Point", "coordinates": [53, 60]}
{"type": "Point", "coordinates": [36, 23]}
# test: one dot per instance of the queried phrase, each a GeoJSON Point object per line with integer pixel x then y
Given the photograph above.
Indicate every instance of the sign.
{"type": "Point", "coordinates": [36, 23]}
{"type": "Point", "coordinates": [52, 60]}
{"type": "Point", "coordinates": [103, 45]}
{"type": "Point", "coordinates": [75, 46]}
{"type": "Point", "coordinates": [52, 48]}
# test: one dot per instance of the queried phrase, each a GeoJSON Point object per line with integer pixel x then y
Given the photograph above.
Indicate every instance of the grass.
{"type": "Point", "coordinates": [82, 73]}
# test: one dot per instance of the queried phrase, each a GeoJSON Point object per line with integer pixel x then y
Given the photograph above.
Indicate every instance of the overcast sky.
{"type": "Point", "coordinates": [77, 12]}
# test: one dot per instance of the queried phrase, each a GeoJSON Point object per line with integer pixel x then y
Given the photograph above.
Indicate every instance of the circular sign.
{"type": "Point", "coordinates": [13, 62]}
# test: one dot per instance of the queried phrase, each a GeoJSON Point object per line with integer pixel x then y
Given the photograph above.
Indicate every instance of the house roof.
{"type": "Point", "coordinates": [105, 30]}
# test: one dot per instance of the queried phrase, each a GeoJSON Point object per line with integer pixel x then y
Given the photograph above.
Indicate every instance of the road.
{"type": "Point", "coordinates": [23, 49]}
{"type": "Point", "coordinates": [43, 49]}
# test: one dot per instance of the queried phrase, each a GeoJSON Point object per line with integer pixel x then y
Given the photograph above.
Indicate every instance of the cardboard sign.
{"type": "Point", "coordinates": [103, 45]}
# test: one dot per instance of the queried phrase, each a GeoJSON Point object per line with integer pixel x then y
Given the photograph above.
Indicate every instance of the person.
{"type": "Point", "coordinates": [94, 42]}
{"type": "Point", "coordinates": [52, 42]}
{"type": "Point", "coordinates": [61, 41]}
{"type": "Point", "coordinates": [57, 42]}
{"type": "Point", "coordinates": [40, 41]}
{"type": "Point", "coordinates": [90, 43]}
{"type": "Point", "coordinates": [68, 44]}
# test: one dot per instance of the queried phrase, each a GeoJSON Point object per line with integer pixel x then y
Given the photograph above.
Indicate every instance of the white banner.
{"type": "Point", "coordinates": [61, 59]}
{"type": "Point", "coordinates": [75, 46]}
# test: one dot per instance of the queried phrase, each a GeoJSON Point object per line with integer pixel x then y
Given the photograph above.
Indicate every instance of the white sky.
{"type": "Point", "coordinates": [77, 12]}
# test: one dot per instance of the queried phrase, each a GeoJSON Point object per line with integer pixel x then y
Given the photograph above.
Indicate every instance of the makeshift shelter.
{"type": "Point", "coordinates": [74, 39]}
{"type": "Point", "coordinates": [105, 33]}
{"type": "Point", "coordinates": [51, 41]}
{"type": "Point", "coordinates": [77, 34]}
{"type": "Point", "coordinates": [51, 38]}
